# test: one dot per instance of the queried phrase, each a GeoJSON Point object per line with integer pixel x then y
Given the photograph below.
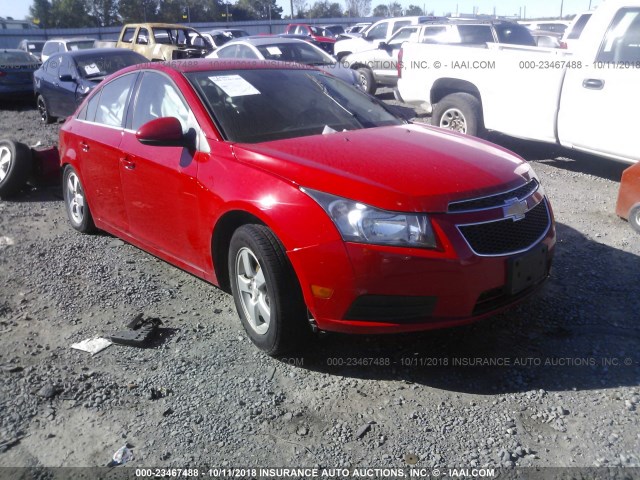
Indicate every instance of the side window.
{"type": "Point", "coordinates": [143, 37]}
{"type": "Point", "coordinates": [475, 34]}
{"type": "Point", "coordinates": [245, 52]}
{"type": "Point", "coordinates": [227, 52]}
{"type": "Point", "coordinates": [113, 101]}
{"type": "Point", "coordinates": [434, 33]}
{"type": "Point", "coordinates": [158, 97]}
{"type": "Point", "coordinates": [65, 68]}
{"type": "Point", "coordinates": [127, 36]}
{"type": "Point", "coordinates": [379, 32]}
{"type": "Point", "coordinates": [92, 107]}
{"type": "Point", "coordinates": [622, 42]}
{"type": "Point", "coordinates": [398, 25]}
{"type": "Point", "coordinates": [402, 36]}
{"type": "Point", "coordinates": [52, 65]}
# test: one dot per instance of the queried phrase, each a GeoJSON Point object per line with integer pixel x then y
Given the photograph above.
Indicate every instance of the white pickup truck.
{"type": "Point", "coordinates": [587, 99]}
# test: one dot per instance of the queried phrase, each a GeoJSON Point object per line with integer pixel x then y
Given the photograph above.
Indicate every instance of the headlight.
{"type": "Point", "coordinates": [362, 223]}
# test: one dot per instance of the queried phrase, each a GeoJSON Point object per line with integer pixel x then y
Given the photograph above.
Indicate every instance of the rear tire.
{"type": "Point", "coordinates": [266, 291]}
{"type": "Point", "coordinates": [367, 82]}
{"type": "Point", "coordinates": [75, 202]}
{"type": "Point", "coordinates": [43, 109]}
{"type": "Point", "coordinates": [460, 112]}
{"type": "Point", "coordinates": [15, 166]}
{"type": "Point", "coordinates": [634, 217]}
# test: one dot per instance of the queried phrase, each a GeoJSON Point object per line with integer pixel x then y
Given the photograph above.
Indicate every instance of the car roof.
{"type": "Point", "coordinates": [88, 52]}
{"type": "Point", "coordinates": [219, 64]}
{"type": "Point", "coordinates": [70, 39]}
{"type": "Point", "coordinates": [259, 41]}
{"type": "Point", "coordinates": [158, 25]}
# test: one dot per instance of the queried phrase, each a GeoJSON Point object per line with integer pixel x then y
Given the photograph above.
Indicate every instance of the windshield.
{"type": "Point", "coordinates": [261, 105]}
{"type": "Point", "coordinates": [35, 47]}
{"type": "Point", "coordinates": [301, 52]}
{"type": "Point", "coordinates": [94, 67]}
{"type": "Point", "coordinates": [79, 45]}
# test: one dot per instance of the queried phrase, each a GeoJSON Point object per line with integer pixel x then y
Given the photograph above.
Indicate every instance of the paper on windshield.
{"type": "Point", "coordinates": [274, 51]}
{"type": "Point", "coordinates": [92, 69]}
{"type": "Point", "coordinates": [32, 46]}
{"type": "Point", "coordinates": [234, 85]}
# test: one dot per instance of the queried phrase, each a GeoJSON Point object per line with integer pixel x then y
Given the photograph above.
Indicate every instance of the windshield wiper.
{"type": "Point", "coordinates": [325, 91]}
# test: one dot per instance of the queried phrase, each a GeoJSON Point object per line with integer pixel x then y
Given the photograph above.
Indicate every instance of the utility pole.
{"type": "Point", "coordinates": [561, 7]}
{"type": "Point", "coordinates": [525, 12]}
{"type": "Point", "coordinates": [292, 10]}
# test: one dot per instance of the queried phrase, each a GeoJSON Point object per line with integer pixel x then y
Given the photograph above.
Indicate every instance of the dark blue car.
{"type": "Point", "coordinates": [16, 73]}
{"type": "Point", "coordinates": [66, 78]}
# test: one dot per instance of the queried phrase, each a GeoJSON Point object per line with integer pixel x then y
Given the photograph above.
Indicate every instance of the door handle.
{"type": "Point", "coordinates": [128, 164]}
{"type": "Point", "coordinates": [84, 146]}
{"type": "Point", "coordinates": [593, 83]}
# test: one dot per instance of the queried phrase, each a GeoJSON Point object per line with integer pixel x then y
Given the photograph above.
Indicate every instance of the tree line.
{"type": "Point", "coordinates": [106, 13]}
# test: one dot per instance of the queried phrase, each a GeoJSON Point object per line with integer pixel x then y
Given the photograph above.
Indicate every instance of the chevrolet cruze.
{"type": "Point", "coordinates": [309, 201]}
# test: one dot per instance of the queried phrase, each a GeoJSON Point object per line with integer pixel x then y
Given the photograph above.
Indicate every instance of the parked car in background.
{"type": "Point", "coordinates": [16, 72]}
{"type": "Point", "coordinates": [163, 41]}
{"type": "Point", "coordinates": [313, 32]}
{"type": "Point", "coordinates": [547, 39]}
{"type": "Point", "coordinates": [217, 38]}
{"type": "Point", "coordinates": [555, 26]}
{"type": "Point", "coordinates": [379, 66]}
{"type": "Point", "coordinates": [332, 30]}
{"type": "Point", "coordinates": [357, 28]}
{"type": "Point", "coordinates": [381, 31]}
{"type": "Point", "coordinates": [60, 45]}
{"type": "Point", "coordinates": [308, 200]}
{"type": "Point", "coordinates": [34, 47]}
{"type": "Point", "coordinates": [628, 205]}
{"type": "Point", "coordinates": [66, 78]}
{"type": "Point", "coordinates": [574, 31]}
{"type": "Point", "coordinates": [286, 50]}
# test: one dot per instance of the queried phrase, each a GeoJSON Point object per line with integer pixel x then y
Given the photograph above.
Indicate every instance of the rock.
{"type": "Point", "coordinates": [302, 431]}
{"type": "Point", "coordinates": [48, 391]}
{"type": "Point", "coordinates": [361, 432]}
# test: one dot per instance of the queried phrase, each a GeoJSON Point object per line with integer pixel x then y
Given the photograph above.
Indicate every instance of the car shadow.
{"type": "Point", "coordinates": [560, 157]}
{"type": "Point", "coordinates": [569, 335]}
{"type": "Point", "coordinates": [30, 193]}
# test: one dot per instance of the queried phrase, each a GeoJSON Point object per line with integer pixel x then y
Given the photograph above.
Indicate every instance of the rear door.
{"type": "Point", "coordinates": [599, 102]}
{"type": "Point", "coordinates": [159, 183]}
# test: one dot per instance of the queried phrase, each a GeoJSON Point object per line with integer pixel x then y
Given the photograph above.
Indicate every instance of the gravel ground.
{"type": "Point", "coordinates": [562, 389]}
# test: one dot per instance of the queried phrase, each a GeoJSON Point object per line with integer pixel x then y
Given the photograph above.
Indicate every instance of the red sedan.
{"type": "Point", "coordinates": [307, 199]}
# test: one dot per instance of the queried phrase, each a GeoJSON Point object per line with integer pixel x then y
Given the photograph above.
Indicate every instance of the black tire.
{"type": "Point", "coordinates": [75, 202]}
{"type": "Point", "coordinates": [634, 217]}
{"type": "Point", "coordinates": [261, 275]}
{"type": "Point", "coordinates": [43, 109]}
{"type": "Point", "coordinates": [367, 82]}
{"type": "Point", "coordinates": [15, 166]}
{"type": "Point", "coordinates": [460, 112]}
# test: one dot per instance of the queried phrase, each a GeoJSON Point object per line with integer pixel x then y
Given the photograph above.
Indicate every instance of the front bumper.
{"type": "Point", "coordinates": [379, 289]}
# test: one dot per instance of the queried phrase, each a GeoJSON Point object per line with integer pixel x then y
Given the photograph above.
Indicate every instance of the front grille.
{"type": "Point", "coordinates": [391, 308]}
{"type": "Point", "coordinates": [502, 237]}
{"type": "Point", "coordinates": [493, 201]}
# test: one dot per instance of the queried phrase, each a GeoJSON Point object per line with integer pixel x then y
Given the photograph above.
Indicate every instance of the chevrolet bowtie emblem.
{"type": "Point", "coordinates": [515, 209]}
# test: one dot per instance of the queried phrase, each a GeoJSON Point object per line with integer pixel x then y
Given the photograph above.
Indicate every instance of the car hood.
{"type": "Point", "coordinates": [401, 168]}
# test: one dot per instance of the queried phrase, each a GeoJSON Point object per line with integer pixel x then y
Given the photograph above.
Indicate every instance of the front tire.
{"type": "Point", "coordinates": [634, 217]}
{"type": "Point", "coordinates": [367, 82]}
{"type": "Point", "coordinates": [75, 202]}
{"type": "Point", "coordinates": [15, 166]}
{"type": "Point", "coordinates": [266, 291]}
{"type": "Point", "coordinates": [43, 109]}
{"type": "Point", "coordinates": [460, 112]}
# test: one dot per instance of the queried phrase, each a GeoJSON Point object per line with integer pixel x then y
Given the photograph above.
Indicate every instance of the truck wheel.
{"type": "Point", "coordinates": [266, 291]}
{"type": "Point", "coordinates": [460, 112]}
{"type": "Point", "coordinates": [15, 166]}
{"type": "Point", "coordinates": [365, 77]}
{"type": "Point", "coordinates": [634, 217]}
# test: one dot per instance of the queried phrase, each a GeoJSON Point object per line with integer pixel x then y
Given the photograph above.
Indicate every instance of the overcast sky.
{"type": "Point", "coordinates": [19, 9]}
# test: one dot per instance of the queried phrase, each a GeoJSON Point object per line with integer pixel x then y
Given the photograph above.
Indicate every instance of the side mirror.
{"type": "Point", "coordinates": [163, 132]}
{"type": "Point", "coordinates": [66, 78]}
{"type": "Point", "coordinates": [383, 45]}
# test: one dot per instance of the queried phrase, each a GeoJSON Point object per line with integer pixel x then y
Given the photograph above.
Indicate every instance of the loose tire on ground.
{"type": "Point", "coordinates": [460, 112]}
{"type": "Point", "coordinates": [15, 166]}
{"type": "Point", "coordinates": [266, 291]}
{"type": "Point", "coordinates": [75, 202]}
{"type": "Point", "coordinates": [634, 217]}
{"type": "Point", "coordinates": [365, 77]}
{"type": "Point", "coordinates": [43, 109]}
